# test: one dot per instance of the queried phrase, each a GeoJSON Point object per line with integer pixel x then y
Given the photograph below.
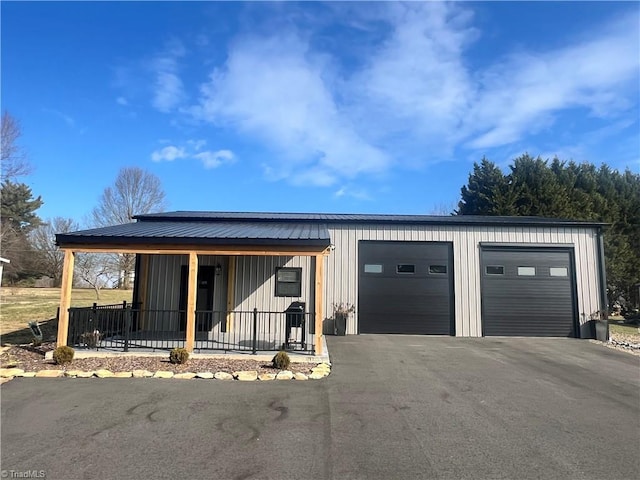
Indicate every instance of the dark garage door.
{"type": "Point", "coordinates": [405, 287]}
{"type": "Point", "coordinates": [528, 292]}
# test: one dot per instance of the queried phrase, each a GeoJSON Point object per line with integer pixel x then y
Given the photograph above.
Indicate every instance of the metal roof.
{"type": "Point", "coordinates": [204, 233]}
{"type": "Point", "coordinates": [204, 216]}
{"type": "Point", "coordinates": [284, 229]}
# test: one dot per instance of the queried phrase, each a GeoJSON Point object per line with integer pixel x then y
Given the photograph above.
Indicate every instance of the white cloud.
{"type": "Point", "coordinates": [214, 159]}
{"type": "Point", "coordinates": [349, 191]}
{"type": "Point", "coordinates": [168, 89]}
{"type": "Point", "coordinates": [209, 158]}
{"type": "Point", "coordinates": [197, 145]}
{"type": "Point", "coordinates": [413, 97]}
{"type": "Point", "coordinates": [273, 88]}
{"type": "Point", "coordinates": [168, 154]}
{"type": "Point", "coordinates": [526, 92]}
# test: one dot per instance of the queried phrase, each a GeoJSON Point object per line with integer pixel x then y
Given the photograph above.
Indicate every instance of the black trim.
{"type": "Point", "coordinates": [602, 275]}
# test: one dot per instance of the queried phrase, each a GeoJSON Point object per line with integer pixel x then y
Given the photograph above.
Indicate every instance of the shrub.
{"type": "Point", "coordinates": [281, 360]}
{"type": "Point", "coordinates": [63, 355]}
{"type": "Point", "coordinates": [179, 356]}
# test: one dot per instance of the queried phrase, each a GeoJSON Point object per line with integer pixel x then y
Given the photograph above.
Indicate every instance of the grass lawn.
{"type": "Point", "coordinates": [18, 306]}
{"type": "Point", "coordinates": [618, 326]}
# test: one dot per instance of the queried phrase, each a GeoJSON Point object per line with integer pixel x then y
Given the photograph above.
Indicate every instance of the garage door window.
{"type": "Point", "coordinates": [558, 271]}
{"type": "Point", "coordinates": [438, 269]}
{"type": "Point", "coordinates": [372, 268]}
{"type": "Point", "coordinates": [406, 268]}
{"type": "Point", "coordinates": [494, 270]}
{"type": "Point", "coordinates": [527, 271]}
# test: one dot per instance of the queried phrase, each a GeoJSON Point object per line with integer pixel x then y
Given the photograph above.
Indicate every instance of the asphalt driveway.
{"type": "Point", "coordinates": [395, 407]}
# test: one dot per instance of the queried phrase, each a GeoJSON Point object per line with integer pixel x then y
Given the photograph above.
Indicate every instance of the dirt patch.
{"type": "Point", "coordinates": [31, 359]}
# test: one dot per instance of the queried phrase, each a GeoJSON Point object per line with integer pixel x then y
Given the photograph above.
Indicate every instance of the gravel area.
{"type": "Point", "coordinates": [31, 359]}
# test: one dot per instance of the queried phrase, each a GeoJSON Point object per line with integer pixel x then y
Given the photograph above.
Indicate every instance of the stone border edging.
{"type": "Point", "coordinates": [318, 372]}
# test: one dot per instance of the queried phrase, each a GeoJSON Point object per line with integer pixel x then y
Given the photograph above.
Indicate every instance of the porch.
{"type": "Point", "coordinates": [126, 327]}
{"type": "Point", "coordinates": [203, 283]}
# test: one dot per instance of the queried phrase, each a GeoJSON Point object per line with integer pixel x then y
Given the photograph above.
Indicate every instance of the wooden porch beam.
{"type": "Point", "coordinates": [186, 250]}
{"type": "Point", "coordinates": [318, 303]}
{"type": "Point", "coordinates": [191, 301]}
{"type": "Point", "coordinates": [231, 292]}
{"type": "Point", "coordinates": [65, 297]}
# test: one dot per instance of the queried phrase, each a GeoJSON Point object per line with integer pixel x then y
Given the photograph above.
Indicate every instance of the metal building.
{"type": "Point", "coordinates": [463, 276]}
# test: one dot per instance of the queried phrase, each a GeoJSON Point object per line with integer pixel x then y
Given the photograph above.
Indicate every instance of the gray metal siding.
{"type": "Point", "coordinates": [342, 265]}
{"type": "Point", "coordinates": [163, 287]}
{"type": "Point", "coordinates": [255, 283]}
{"type": "Point", "coordinates": [536, 305]}
{"type": "Point", "coordinates": [419, 302]}
{"type": "Point", "coordinates": [341, 269]}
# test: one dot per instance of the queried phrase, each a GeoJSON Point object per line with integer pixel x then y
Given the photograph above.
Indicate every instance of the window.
{"type": "Point", "coordinates": [494, 270]}
{"type": "Point", "coordinates": [372, 268]}
{"type": "Point", "coordinates": [288, 282]}
{"type": "Point", "coordinates": [405, 268]}
{"type": "Point", "coordinates": [527, 271]}
{"type": "Point", "coordinates": [558, 271]}
{"type": "Point", "coordinates": [438, 269]}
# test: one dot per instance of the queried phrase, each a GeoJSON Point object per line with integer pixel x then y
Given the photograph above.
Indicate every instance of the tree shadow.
{"type": "Point", "coordinates": [49, 330]}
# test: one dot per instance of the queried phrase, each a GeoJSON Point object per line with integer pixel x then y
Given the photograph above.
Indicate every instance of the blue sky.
{"type": "Point", "coordinates": [314, 107]}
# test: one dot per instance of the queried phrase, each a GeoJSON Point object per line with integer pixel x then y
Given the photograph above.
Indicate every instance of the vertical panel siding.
{"type": "Point", "coordinates": [342, 264]}
{"type": "Point", "coordinates": [255, 281]}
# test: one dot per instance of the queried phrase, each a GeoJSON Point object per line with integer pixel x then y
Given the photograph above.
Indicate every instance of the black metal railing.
{"type": "Point", "coordinates": [254, 331]}
{"type": "Point", "coordinates": [123, 327]}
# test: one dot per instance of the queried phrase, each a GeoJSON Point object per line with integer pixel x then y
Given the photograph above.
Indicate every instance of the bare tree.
{"type": "Point", "coordinates": [95, 270]}
{"type": "Point", "coordinates": [43, 241]}
{"type": "Point", "coordinates": [13, 157]}
{"type": "Point", "coordinates": [134, 192]}
{"type": "Point", "coordinates": [443, 209]}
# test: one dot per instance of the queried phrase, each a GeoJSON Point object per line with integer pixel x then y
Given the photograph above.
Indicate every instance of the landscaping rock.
{"type": "Point", "coordinates": [5, 379]}
{"type": "Point", "coordinates": [265, 377]}
{"type": "Point", "coordinates": [142, 374]}
{"type": "Point", "coordinates": [10, 372]}
{"type": "Point", "coordinates": [163, 374]}
{"type": "Point", "coordinates": [27, 375]}
{"type": "Point", "coordinates": [72, 373]}
{"type": "Point", "coordinates": [284, 375]}
{"type": "Point", "coordinates": [102, 373]}
{"type": "Point", "coordinates": [300, 376]}
{"type": "Point", "coordinates": [49, 373]}
{"type": "Point", "coordinates": [122, 375]}
{"type": "Point", "coordinates": [82, 374]}
{"type": "Point", "coordinates": [246, 376]}
{"type": "Point", "coordinates": [316, 376]}
{"type": "Point", "coordinates": [185, 376]}
{"type": "Point", "coordinates": [223, 376]}
{"type": "Point", "coordinates": [206, 375]}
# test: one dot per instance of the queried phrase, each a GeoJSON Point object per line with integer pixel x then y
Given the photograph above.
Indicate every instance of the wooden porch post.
{"type": "Point", "coordinates": [231, 292]}
{"type": "Point", "coordinates": [191, 301]}
{"type": "Point", "coordinates": [65, 297]}
{"type": "Point", "coordinates": [143, 289]}
{"type": "Point", "coordinates": [319, 310]}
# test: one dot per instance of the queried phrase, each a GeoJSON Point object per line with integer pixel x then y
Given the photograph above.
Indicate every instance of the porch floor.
{"type": "Point", "coordinates": [224, 344]}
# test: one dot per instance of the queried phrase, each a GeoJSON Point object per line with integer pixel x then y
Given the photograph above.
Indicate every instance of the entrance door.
{"type": "Point", "coordinates": [204, 297]}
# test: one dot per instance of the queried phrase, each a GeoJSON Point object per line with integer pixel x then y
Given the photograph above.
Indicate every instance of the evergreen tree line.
{"type": "Point", "coordinates": [567, 190]}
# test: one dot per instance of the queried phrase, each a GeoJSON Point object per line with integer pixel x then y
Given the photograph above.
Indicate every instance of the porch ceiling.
{"type": "Point", "coordinates": [258, 237]}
